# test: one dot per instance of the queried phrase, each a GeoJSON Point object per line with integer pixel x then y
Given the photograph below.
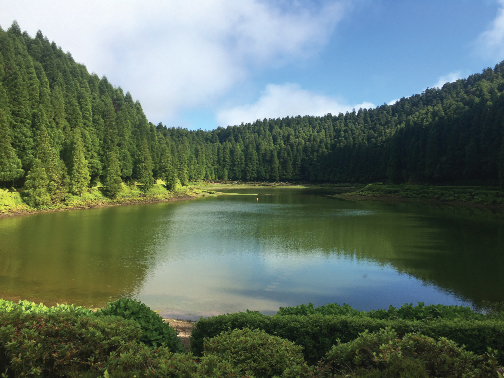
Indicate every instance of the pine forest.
{"type": "Point", "coordinates": [64, 130]}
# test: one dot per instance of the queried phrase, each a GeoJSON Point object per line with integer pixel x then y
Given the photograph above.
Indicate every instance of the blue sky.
{"type": "Point", "coordinates": [209, 63]}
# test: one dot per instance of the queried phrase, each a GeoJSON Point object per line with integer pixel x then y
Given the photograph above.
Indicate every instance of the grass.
{"type": "Point", "coordinates": [11, 202]}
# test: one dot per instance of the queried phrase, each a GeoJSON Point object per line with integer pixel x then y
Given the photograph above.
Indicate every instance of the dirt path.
{"type": "Point", "coordinates": [184, 329]}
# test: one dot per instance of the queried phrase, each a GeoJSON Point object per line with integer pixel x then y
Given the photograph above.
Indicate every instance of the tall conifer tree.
{"type": "Point", "coordinates": [79, 176]}
{"type": "Point", "coordinates": [51, 162]}
{"type": "Point", "coordinates": [36, 186]}
{"type": "Point", "coordinates": [144, 167]}
{"type": "Point", "coordinates": [112, 182]}
{"type": "Point", "coordinates": [10, 164]}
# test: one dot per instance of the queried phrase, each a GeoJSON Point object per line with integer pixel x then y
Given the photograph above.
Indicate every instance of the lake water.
{"type": "Point", "coordinates": [275, 248]}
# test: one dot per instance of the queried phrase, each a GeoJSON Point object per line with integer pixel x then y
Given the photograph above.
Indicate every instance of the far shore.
{"type": "Point", "coordinates": [355, 192]}
{"type": "Point", "coordinates": [85, 206]}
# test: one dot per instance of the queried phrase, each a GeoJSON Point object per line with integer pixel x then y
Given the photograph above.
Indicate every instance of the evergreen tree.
{"type": "Point", "coordinates": [144, 167]}
{"type": "Point", "coordinates": [112, 182]}
{"type": "Point", "coordinates": [52, 164]}
{"type": "Point", "coordinates": [182, 171]}
{"type": "Point", "coordinates": [36, 186]}
{"type": "Point", "coordinates": [20, 116]}
{"type": "Point", "coordinates": [79, 174]}
{"type": "Point", "coordinates": [251, 165]}
{"type": "Point", "coordinates": [10, 164]}
{"type": "Point", "coordinates": [167, 170]}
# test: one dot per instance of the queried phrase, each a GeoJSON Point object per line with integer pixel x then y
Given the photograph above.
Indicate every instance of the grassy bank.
{"type": "Point", "coordinates": [11, 202]}
{"type": "Point", "coordinates": [479, 196]}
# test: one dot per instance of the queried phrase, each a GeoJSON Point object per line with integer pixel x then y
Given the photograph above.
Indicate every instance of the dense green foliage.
{"type": "Point", "coordinates": [406, 311]}
{"type": "Point", "coordinates": [442, 358]}
{"type": "Point", "coordinates": [155, 332]}
{"type": "Point", "coordinates": [84, 130]}
{"type": "Point", "coordinates": [255, 352]}
{"type": "Point", "coordinates": [54, 343]}
{"type": "Point", "coordinates": [28, 307]}
{"type": "Point", "coordinates": [317, 333]}
{"type": "Point", "coordinates": [72, 341]}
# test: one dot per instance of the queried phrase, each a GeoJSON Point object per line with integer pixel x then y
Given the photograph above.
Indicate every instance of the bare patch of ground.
{"type": "Point", "coordinates": [184, 328]}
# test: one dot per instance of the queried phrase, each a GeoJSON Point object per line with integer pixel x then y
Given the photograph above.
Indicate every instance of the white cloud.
{"type": "Point", "coordinates": [490, 43]}
{"type": "Point", "coordinates": [393, 101]}
{"type": "Point", "coordinates": [172, 55]}
{"type": "Point", "coordinates": [450, 78]}
{"type": "Point", "coordinates": [285, 100]}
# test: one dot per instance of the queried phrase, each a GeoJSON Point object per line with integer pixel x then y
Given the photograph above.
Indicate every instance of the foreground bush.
{"type": "Point", "coordinates": [155, 331]}
{"type": "Point", "coordinates": [318, 333]}
{"type": "Point", "coordinates": [139, 360]}
{"type": "Point", "coordinates": [442, 358]}
{"type": "Point", "coordinates": [255, 352]}
{"type": "Point", "coordinates": [67, 343]}
{"type": "Point", "coordinates": [55, 344]}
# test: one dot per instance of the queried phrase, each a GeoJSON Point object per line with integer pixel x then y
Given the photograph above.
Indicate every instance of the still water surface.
{"type": "Point", "coordinates": [278, 247]}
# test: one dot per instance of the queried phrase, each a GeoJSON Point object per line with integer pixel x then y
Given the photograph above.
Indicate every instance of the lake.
{"type": "Point", "coordinates": [259, 250]}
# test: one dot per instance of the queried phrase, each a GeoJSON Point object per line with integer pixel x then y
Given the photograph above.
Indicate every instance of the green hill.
{"type": "Point", "coordinates": [63, 130]}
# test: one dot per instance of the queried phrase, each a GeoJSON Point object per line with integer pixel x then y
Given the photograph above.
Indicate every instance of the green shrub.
{"type": "Point", "coordinates": [328, 309]}
{"type": "Point", "coordinates": [383, 350]}
{"type": "Point", "coordinates": [397, 368]}
{"type": "Point", "coordinates": [28, 307]}
{"type": "Point", "coordinates": [406, 311]}
{"type": "Point", "coordinates": [255, 352]}
{"type": "Point", "coordinates": [155, 331]}
{"type": "Point", "coordinates": [62, 343]}
{"type": "Point", "coordinates": [318, 333]}
{"type": "Point", "coordinates": [140, 360]}
{"type": "Point", "coordinates": [69, 344]}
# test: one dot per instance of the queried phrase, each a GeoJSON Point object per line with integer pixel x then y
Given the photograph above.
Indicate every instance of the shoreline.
{"type": "Point", "coordinates": [198, 190]}
{"type": "Point", "coordinates": [496, 208]}
{"type": "Point", "coordinates": [100, 204]}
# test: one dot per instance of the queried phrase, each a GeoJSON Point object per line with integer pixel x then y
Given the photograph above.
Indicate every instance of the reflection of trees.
{"type": "Point", "coordinates": [455, 249]}
{"type": "Point", "coordinates": [90, 257]}
{"type": "Point", "coordinates": [83, 257]}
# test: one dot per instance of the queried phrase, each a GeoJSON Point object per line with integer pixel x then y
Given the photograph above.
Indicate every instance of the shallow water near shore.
{"type": "Point", "coordinates": [271, 248]}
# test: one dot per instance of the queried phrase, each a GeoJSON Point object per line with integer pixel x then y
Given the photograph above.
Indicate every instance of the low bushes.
{"type": "Point", "coordinates": [318, 333]}
{"type": "Point", "coordinates": [406, 311]}
{"type": "Point", "coordinates": [71, 341]}
{"type": "Point", "coordinates": [54, 343]}
{"type": "Point", "coordinates": [155, 332]}
{"type": "Point", "coordinates": [255, 352]}
{"type": "Point", "coordinates": [442, 358]}
{"type": "Point", "coordinates": [28, 307]}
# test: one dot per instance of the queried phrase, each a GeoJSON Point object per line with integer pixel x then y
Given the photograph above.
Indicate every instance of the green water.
{"type": "Point", "coordinates": [281, 247]}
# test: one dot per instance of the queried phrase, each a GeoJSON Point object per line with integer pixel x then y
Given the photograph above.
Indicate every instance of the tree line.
{"type": "Point", "coordinates": [63, 130]}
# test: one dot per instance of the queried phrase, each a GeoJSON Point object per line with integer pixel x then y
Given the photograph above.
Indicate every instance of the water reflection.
{"type": "Point", "coordinates": [83, 257]}
{"type": "Point", "coordinates": [230, 253]}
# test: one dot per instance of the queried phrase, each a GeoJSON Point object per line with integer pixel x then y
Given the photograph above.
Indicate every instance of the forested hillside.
{"type": "Point", "coordinates": [63, 130]}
